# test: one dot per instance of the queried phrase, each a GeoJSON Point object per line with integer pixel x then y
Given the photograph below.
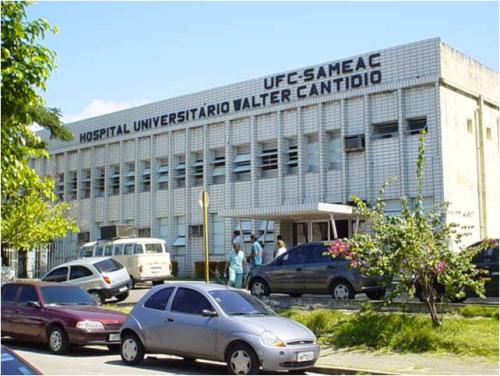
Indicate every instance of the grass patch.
{"type": "Point", "coordinates": [120, 308]}
{"type": "Point", "coordinates": [407, 333]}
{"type": "Point", "coordinates": [478, 311]}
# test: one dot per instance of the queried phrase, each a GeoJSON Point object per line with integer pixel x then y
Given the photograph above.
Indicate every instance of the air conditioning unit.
{"type": "Point", "coordinates": [118, 231]}
{"type": "Point", "coordinates": [196, 230]}
{"type": "Point", "coordinates": [83, 237]}
{"type": "Point", "coordinates": [354, 143]}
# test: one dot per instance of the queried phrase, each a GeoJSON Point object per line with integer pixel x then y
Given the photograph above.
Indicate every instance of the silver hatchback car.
{"type": "Point", "coordinates": [208, 321]}
{"type": "Point", "coordinates": [101, 277]}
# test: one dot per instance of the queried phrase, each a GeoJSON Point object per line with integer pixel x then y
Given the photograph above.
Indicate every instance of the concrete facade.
{"type": "Point", "coordinates": [286, 139]}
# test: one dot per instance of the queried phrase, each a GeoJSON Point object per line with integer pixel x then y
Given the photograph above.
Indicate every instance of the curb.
{"type": "Point", "coordinates": [347, 371]}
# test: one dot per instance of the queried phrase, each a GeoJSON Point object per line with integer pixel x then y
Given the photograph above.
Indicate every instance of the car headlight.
{"type": "Point", "coordinates": [90, 325]}
{"type": "Point", "coordinates": [269, 339]}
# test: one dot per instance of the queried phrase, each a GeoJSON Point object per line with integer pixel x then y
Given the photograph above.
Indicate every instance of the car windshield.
{"type": "Point", "coordinates": [108, 265]}
{"type": "Point", "coordinates": [153, 248]}
{"type": "Point", "coordinates": [238, 303]}
{"type": "Point", "coordinates": [66, 295]}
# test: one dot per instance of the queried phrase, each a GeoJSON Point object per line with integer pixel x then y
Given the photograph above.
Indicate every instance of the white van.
{"type": "Point", "coordinates": [146, 259]}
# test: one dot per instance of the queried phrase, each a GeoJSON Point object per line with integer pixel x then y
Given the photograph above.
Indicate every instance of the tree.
{"type": "Point", "coordinates": [30, 213]}
{"type": "Point", "coordinates": [413, 248]}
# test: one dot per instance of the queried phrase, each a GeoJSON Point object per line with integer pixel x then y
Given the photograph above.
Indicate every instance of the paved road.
{"type": "Point", "coordinates": [97, 360]}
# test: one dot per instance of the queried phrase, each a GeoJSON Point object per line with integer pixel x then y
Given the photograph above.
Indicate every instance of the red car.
{"type": "Point", "coordinates": [57, 314]}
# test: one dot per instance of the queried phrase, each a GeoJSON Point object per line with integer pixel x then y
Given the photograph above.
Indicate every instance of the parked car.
{"type": "Point", "coordinates": [14, 364]}
{"type": "Point", "coordinates": [209, 321]}
{"type": "Point", "coordinates": [487, 262]}
{"type": "Point", "coordinates": [59, 315]}
{"type": "Point", "coordinates": [307, 269]}
{"type": "Point", "coordinates": [101, 277]}
{"type": "Point", "coordinates": [146, 259]}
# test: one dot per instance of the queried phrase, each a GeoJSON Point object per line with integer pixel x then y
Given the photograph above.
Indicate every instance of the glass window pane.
{"type": "Point", "coordinates": [159, 300]}
{"type": "Point", "coordinates": [190, 302]}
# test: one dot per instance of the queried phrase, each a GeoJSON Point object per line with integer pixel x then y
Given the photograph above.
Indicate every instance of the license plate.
{"type": "Point", "coordinates": [115, 337]}
{"type": "Point", "coordinates": [305, 356]}
{"type": "Point", "coordinates": [124, 288]}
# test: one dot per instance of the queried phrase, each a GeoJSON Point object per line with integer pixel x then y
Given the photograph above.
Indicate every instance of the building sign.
{"type": "Point", "coordinates": [281, 88]}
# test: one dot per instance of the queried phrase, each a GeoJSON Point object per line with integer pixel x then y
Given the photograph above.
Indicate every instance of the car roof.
{"type": "Point", "coordinates": [83, 261]}
{"type": "Point", "coordinates": [124, 241]}
{"type": "Point", "coordinates": [197, 285]}
{"type": "Point", "coordinates": [36, 282]}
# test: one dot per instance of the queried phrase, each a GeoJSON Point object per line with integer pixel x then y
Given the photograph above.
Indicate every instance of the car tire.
{"type": "Point", "coordinates": [156, 283]}
{"type": "Point", "coordinates": [114, 348]}
{"type": "Point", "coordinates": [241, 359]}
{"type": "Point", "coordinates": [58, 340]}
{"type": "Point", "coordinates": [295, 295]}
{"type": "Point", "coordinates": [97, 296]}
{"type": "Point", "coordinates": [259, 287]}
{"type": "Point", "coordinates": [132, 282]}
{"type": "Point", "coordinates": [132, 350]}
{"type": "Point", "coordinates": [375, 295]}
{"type": "Point", "coordinates": [122, 297]}
{"type": "Point", "coordinates": [342, 290]}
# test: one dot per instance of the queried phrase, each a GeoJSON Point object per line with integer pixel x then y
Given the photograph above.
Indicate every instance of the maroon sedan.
{"type": "Point", "coordinates": [59, 315]}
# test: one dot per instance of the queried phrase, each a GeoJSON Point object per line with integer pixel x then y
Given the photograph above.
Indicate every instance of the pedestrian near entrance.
{"type": "Point", "coordinates": [235, 266]}
{"type": "Point", "coordinates": [281, 248]}
{"type": "Point", "coordinates": [255, 253]}
{"type": "Point", "coordinates": [238, 239]}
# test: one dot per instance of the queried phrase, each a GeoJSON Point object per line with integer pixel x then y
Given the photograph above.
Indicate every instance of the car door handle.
{"type": "Point", "coordinates": [170, 320]}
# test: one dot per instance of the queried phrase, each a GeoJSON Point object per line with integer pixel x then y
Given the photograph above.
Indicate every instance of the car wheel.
{"type": "Point", "coordinates": [122, 297]}
{"type": "Point", "coordinates": [242, 360]}
{"type": "Point", "coordinates": [132, 282]}
{"type": "Point", "coordinates": [114, 348]}
{"type": "Point", "coordinates": [295, 295]}
{"type": "Point", "coordinates": [342, 290]}
{"type": "Point", "coordinates": [97, 296]}
{"type": "Point", "coordinates": [375, 295]}
{"type": "Point", "coordinates": [58, 340]}
{"type": "Point", "coordinates": [258, 287]}
{"type": "Point", "coordinates": [155, 283]}
{"type": "Point", "coordinates": [131, 350]}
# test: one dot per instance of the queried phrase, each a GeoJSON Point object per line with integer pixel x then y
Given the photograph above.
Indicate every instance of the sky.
{"type": "Point", "coordinates": [115, 55]}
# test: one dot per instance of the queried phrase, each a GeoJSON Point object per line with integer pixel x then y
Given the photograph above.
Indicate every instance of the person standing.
{"type": "Point", "coordinates": [238, 239]}
{"type": "Point", "coordinates": [235, 266]}
{"type": "Point", "coordinates": [255, 253]}
{"type": "Point", "coordinates": [281, 248]}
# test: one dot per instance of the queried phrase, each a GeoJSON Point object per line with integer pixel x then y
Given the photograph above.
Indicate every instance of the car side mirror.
{"type": "Point", "coordinates": [208, 313]}
{"type": "Point", "coordinates": [34, 304]}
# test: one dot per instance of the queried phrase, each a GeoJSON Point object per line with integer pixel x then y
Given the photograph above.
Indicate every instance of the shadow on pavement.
{"type": "Point", "coordinates": [40, 348]}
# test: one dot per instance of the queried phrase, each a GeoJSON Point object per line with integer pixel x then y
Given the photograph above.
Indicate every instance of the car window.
{"type": "Point", "coordinates": [190, 302]}
{"type": "Point", "coordinates": [128, 249]}
{"type": "Point", "coordinates": [28, 294]}
{"type": "Point", "coordinates": [108, 265]}
{"type": "Point", "coordinates": [316, 254]}
{"type": "Point", "coordinates": [108, 251]}
{"type": "Point", "coordinates": [66, 295]}
{"type": "Point", "coordinates": [238, 303]}
{"type": "Point", "coordinates": [295, 256]}
{"type": "Point", "coordinates": [87, 251]}
{"type": "Point", "coordinates": [117, 250]}
{"type": "Point", "coordinates": [153, 248]}
{"type": "Point", "coordinates": [98, 251]}
{"type": "Point", "coordinates": [78, 271]}
{"type": "Point", "coordinates": [159, 299]}
{"type": "Point", "coordinates": [9, 293]}
{"type": "Point", "coordinates": [138, 249]}
{"type": "Point", "coordinates": [57, 275]}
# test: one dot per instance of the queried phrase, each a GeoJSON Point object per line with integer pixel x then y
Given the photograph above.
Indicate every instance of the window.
{"type": "Point", "coordinates": [295, 256]}
{"type": "Point", "coordinates": [293, 156]}
{"type": "Point", "coordinates": [269, 160]}
{"type": "Point", "coordinates": [57, 275]}
{"type": "Point", "coordinates": [180, 171]}
{"type": "Point", "coordinates": [85, 182]}
{"type": "Point", "coordinates": [128, 249]}
{"type": "Point", "coordinates": [160, 299]}
{"type": "Point", "coordinates": [99, 182]}
{"type": "Point", "coordinates": [384, 130]}
{"type": "Point", "coordinates": [316, 254]}
{"type": "Point", "coordinates": [190, 302]}
{"type": "Point", "coordinates": [108, 251]}
{"type": "Point", "coordinates": [312, 153]}
{"type": "Point", "coordinates": [66, 295]}
{"type": "Point", "coordinates": [28, 294]}
{"type": "Point", "coordinates": [163, 228]}
{"type": "Point", "coordinates": [146, 176]}
{"type": "Point", "coordinates": [9, 293]}
{"type": "Point", "coordinates": [197, 169]}
{"type": "Point", "coordinates": [245, 230]}
{"type": "Point", "coordinates": [241, 163]}
{"type": "Point", "coordinates": [72, 188]}
{"type": "Point", "coordinates": [79, 271]}
{"type": "Point", "coordinates": [130, 177]}
{"type": "Point", "coordinates": [153, 248]}
{"type": "Point", "coordinates": [114, 180]}
{"type": "Point", "coordinates": [417, 125]}
{"type": "Point", "coordinates": [162, 173]}
{"type": "Point", "coordinates": [180, 240]}
{"type": "Point", "coordinates": [218, 166]}
{"type": "Point", "coordinates": [138, 249]}
{"type": "Point", "coordinates": [144, 232]}
{"type": "Point", "coordinates": [354, 143]}
{"type": "Point", "coordinates": [86, 252]}
{"type": "Point", "coordinates": [98, 251]}
{"type": "Point", "coordinates": [334, 151]}
{"type": "Point", "coordinates": [319, 231]}
{"type": "Point", "coordinates": [117, 249]}
{"type": "Point", "coordinates": [300, 233]}
{"type": "Point", "coordinates": [108, 265]}
{"type": "Point", "coordinates": [269, 232]}
{"type": "Point", "coordinates": [218, 235]}
{"type": "Point", "coordinates": [60, 186]}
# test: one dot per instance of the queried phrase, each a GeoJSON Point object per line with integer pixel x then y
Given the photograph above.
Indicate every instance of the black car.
{"type": "Point", "coordinates": [308, 269]}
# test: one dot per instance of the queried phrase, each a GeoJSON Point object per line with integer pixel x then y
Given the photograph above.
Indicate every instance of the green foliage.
{"type": "Point", "coordinates": [478, 311]}
{"type": "Point", "coordinates": [30, 214]}
{"type": "Point", "coordinates": [409, 333]}
{"type": "Point", "coordinates": [413, 247]}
